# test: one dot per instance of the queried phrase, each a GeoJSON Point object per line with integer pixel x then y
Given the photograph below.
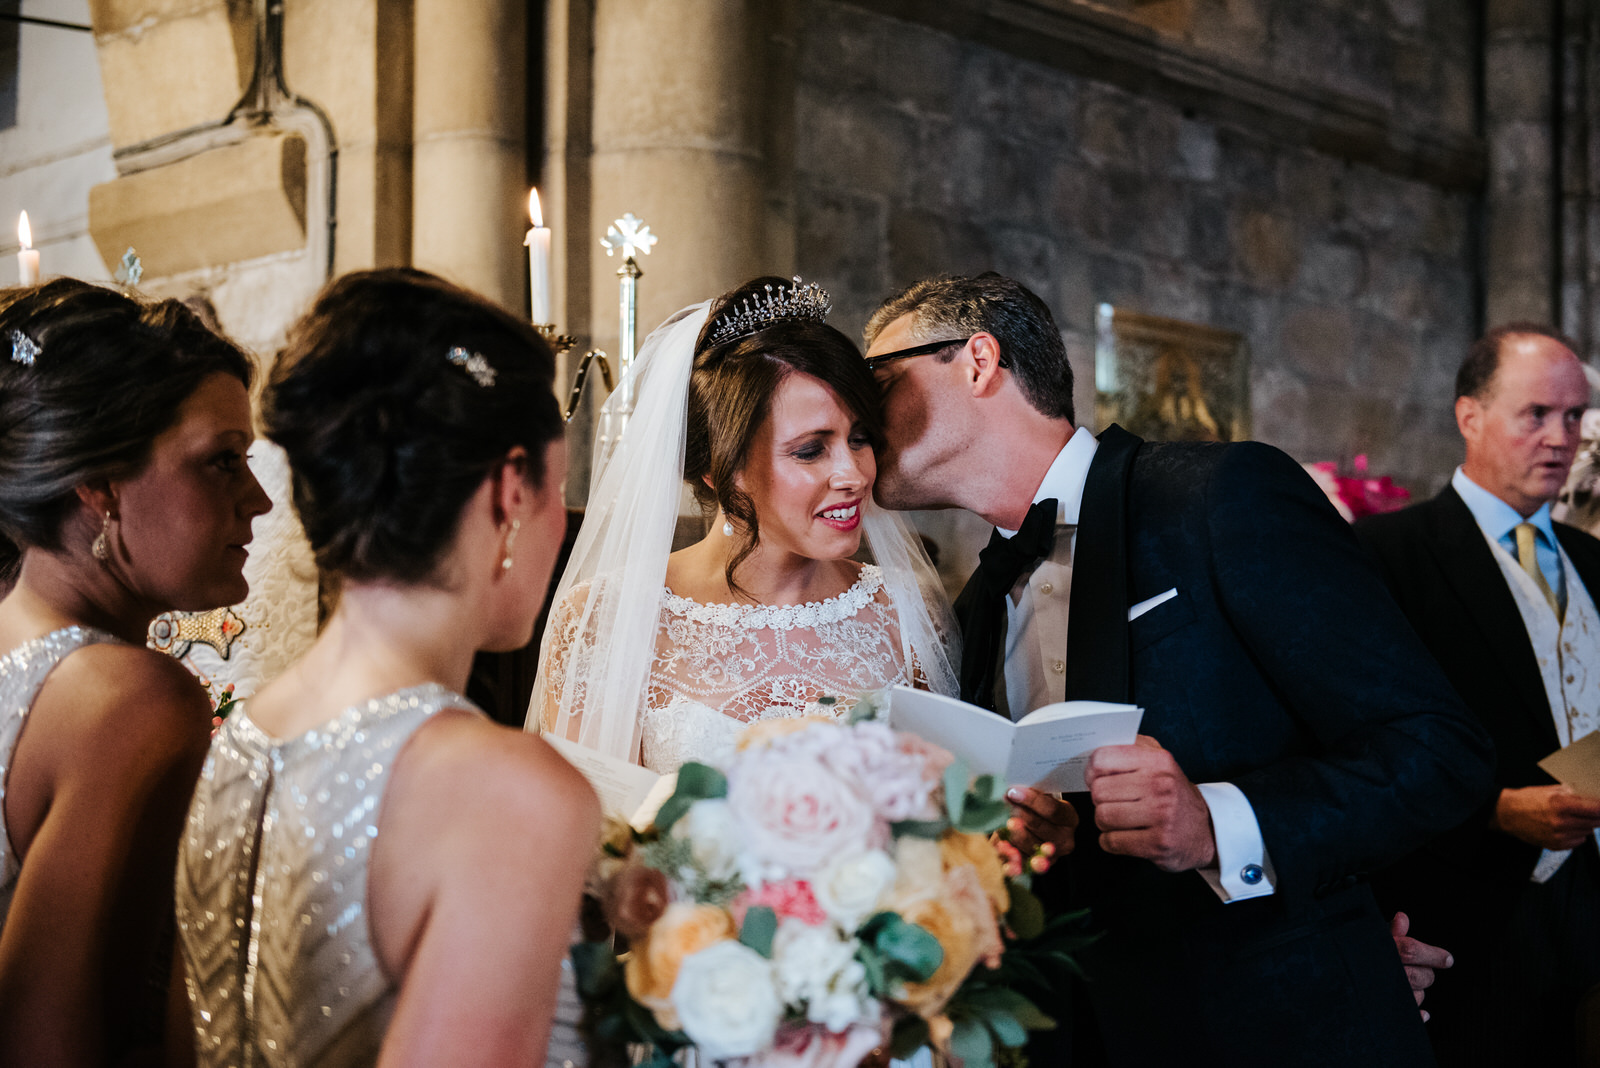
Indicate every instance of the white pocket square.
{"type": "Point", "coordinates": [1144, 606]}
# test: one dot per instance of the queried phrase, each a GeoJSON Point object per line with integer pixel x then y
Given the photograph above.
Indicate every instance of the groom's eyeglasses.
{"type": "Point", "coordinates": [875, 362]}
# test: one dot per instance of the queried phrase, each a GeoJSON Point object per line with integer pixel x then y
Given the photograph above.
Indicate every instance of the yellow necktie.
{"type": "Point", "coordinates": [1529, 559]}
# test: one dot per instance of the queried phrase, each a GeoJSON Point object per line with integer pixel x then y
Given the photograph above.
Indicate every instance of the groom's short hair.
{"type": "Point", "coordinates": [960, 306]}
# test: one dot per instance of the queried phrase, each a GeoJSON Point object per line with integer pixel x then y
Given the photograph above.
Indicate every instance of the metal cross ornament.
{"type": "Point", "coordinates": [628, 233]}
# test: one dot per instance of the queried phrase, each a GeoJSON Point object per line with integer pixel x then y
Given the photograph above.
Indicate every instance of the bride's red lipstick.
{"type": "Point", "coordinates": [850, 509]}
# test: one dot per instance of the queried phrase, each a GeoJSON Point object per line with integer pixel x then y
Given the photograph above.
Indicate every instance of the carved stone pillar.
{"type": "Point", "coordinates": [469, 162]}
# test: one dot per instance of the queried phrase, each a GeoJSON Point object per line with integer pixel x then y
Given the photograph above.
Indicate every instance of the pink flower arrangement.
{"type": "Point", "coordinates": [832, 890]}
{"type": "Point", "coordinates": [1359, 494]}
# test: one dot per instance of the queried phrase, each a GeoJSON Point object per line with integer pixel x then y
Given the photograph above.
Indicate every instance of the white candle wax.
{"type": "Point", "coordinates": [538, 242]}
{"type": "Point", "coordinates": [27, 256]}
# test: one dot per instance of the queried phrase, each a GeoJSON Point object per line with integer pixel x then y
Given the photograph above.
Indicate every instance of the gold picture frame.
{"type": "Point", "coordinates": [1170, 380]}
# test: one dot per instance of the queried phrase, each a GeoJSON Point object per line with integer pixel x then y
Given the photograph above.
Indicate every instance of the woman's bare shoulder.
{"type": "Point", "coordinates": [132, 691]}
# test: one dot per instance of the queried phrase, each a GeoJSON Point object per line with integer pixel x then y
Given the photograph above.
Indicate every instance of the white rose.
{"type": "Point", "coordinates": [727, 1001]}
{"type": "Point", "coordinates": [713, 838]}
{"type": "Point", "coordinates": [817, 971]}
{"type": "Point", "coordinates": [850, 888]}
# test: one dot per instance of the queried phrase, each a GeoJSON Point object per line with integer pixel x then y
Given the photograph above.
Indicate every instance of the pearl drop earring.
{"type": "Point", "coordinates": [511, 539]}
{"type": "Point", "coordinates": [727, 528]}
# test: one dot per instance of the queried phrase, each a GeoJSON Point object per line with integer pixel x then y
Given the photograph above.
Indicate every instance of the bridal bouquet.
{"type": "Point", "coordinates": [830, 892]}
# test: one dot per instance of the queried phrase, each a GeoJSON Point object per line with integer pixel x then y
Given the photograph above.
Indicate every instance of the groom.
{"type": "Point", "coordinates": [1214, 586]}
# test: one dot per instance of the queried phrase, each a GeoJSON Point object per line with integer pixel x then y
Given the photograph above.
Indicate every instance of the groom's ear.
{"type": "Point", "coordinates": [981, 361]}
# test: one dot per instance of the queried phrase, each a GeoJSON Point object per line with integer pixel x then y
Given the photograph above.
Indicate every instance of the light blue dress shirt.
{"type": "Point", "coordinates": [1499, 520]}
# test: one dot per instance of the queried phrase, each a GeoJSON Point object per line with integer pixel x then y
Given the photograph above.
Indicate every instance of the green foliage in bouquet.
{"type": "Point", "coordinates": [989, 1014]}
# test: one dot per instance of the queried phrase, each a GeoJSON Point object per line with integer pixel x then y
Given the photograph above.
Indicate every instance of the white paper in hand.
{"type": "Point", "coordinates": [1048, 748]}
{"type": "Point", "coordinates": [626, 790]}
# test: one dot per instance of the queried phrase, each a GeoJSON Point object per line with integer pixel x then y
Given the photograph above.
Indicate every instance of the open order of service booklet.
{"type": "Point", "coordinates": [1048, 748]}
{"type": "Point", "coordinates": [626, 790]}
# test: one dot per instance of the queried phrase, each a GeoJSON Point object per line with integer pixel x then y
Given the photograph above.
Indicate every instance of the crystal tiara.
{"type": "Point", "coordinates": [801, 301]}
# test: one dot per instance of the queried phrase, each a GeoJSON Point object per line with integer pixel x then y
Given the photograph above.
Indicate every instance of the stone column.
{"type": "Point", "coordinates": [693, 132]}
{"type": "Point", "coordinates": [1520, 250]}
{"type": "Point", "coordinates": [468, 164]}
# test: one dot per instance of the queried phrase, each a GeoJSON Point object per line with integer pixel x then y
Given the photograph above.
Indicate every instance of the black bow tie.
{"type": "Point", "coordinates": [981, 608]}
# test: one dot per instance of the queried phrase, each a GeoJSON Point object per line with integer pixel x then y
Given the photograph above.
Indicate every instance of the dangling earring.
{"type": "Point", "coordinates": [511, 539]}
{"type": "Point", "coordinates": [101, 548]}
{"type": "Point", "coordinates": [727, 528]}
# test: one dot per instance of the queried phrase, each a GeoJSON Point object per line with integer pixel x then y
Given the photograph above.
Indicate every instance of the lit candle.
{"type": "Point", "coordinates": [538, 242]}
{"type": "Point", "coordinates": [27, 256]}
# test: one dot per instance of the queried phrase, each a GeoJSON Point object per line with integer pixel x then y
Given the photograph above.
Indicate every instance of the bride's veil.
{"type": "Point", "coordinates": [594, 660]}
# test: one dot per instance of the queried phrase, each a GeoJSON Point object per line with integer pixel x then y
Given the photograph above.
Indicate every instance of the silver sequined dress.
{"type": "Point", "coordinates": [22, 673]}
{"type": "Point", "coordinates": [272, 887]}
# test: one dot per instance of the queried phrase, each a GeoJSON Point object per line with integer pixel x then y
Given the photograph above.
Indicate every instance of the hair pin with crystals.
{"type": "Point", "coordinates": [24, 349]}
{"type": "Point", "coordinates": [802, 301]}
{"type": "Point", "coordinates": [474, 364]}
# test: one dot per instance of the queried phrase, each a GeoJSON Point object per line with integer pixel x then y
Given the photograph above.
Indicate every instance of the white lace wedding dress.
{"type": "Point", "coordinates": [718, 668]}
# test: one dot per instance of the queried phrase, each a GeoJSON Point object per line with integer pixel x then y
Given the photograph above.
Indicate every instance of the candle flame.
{"type": "Point", "coordinates": [534, 211]}
{"type": "Point", "coordinates": [24, 231]}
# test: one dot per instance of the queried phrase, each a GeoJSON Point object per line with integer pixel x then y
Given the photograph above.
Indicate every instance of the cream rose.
{"type": "Point", "coordinates": [851, 886]}
{"type": "Point", "coordinates": [713, 838]}
{"type": "Point", "coordinates": [653, 965]}
{"type": "Point", "coordinates": [796, 814]}
{"type": "Point", "coordinates": [727, 1001]}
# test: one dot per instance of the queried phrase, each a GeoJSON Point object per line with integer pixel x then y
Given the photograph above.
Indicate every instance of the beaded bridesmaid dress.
{"type": "Point", "coordinates": [272, 887]}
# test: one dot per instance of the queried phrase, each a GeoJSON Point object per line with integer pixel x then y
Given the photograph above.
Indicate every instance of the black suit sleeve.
{"type": "Point", "coordinates": [1395, 756]}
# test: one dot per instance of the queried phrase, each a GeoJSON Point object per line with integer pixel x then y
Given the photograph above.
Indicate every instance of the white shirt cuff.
{"type": "Point", "coordinates": [1243, 868]}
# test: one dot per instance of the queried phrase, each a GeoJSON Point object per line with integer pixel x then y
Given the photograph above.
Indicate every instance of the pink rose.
{"type": "Point", "coordinates": [791, 898]}
{"type": "Point", "coordinates": [796, 813]}
{"type": "Point", "coordinates": [896, 782]}
{"type": "Point", "coordinates": [814, 1046]}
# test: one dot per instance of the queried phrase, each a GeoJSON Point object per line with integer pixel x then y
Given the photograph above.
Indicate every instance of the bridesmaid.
{"type": "Point", "coordinates": [372, 870]}
{"type": "Point", "coordinates": [124, 493]}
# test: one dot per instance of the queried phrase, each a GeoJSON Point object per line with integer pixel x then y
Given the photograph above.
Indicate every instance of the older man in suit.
{"type": "Point", "coordinates": [1297, 732]}
{"type": "Point", "coordinates": [1505, 599]}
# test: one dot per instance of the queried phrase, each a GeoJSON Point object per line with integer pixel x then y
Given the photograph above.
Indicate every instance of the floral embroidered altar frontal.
{"type": "Point", "coordinates": [829, 893]}
{"type": "Point", "coordinates": [1170, 380]}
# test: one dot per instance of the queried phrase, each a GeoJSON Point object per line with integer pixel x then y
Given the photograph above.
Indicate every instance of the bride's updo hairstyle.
{"type": "Point", "coordinates": [89, 378]}
{"type": "Point", "coordinates": [730, 397]}
{"type": "Point", "coordinates": [394, 397]}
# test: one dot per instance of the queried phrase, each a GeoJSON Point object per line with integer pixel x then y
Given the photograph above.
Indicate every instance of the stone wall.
{"type": "Point", "coordinates": [920, 153]}
{"type": "Point", "coordinates": [59, 146]}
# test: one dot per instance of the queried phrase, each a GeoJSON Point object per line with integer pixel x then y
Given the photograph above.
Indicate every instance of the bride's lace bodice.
{"type": "Point", "coordinates": [718, 667]}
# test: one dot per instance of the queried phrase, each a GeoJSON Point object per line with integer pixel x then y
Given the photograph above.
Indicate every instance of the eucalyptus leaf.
{"type": "Point", "coordinates": [596, 967]}
{"type": "Point", "coordinates": [955, 790]}
{"type": "Point", "coordinates": [759, 928]}
{"type": "Point", "coordinates": [913, 948]}
{"type": "Point", "coordinates": [919, 828]}
{"type": "Point", "coordinates": [1026, 916]}
{"type": "Point", "coordinates": [696, 782]}
{"type": "Point", "coordinates": [972, 1043]}
{"type": "Point", "coordinates": [1007, 1031]}
{"type": "Point", "coordinates": [983, 817]}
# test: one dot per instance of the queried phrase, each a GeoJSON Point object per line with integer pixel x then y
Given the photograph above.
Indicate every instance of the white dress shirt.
{"type": "Point", "coordinates": [1036, 669]}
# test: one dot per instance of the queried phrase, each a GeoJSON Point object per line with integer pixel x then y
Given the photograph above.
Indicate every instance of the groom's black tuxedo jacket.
{"type": "Point", "coordinates": [1284, 667]}
{"type": "Point", "coordinates": [1461, 888]}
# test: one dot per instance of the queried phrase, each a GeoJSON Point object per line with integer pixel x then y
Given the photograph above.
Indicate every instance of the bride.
{"type": "Point", "coordinates": [771, 417]}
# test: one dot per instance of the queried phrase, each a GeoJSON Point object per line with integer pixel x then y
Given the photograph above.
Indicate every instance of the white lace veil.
{"type": "Point", "coordinates": [594, 660]}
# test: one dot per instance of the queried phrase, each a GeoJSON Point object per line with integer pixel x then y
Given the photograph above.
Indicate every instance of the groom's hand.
{"type": "Point", "coordinates": [1146, 807]}
{"type": "Point", "coordinates": [1037, 818]}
